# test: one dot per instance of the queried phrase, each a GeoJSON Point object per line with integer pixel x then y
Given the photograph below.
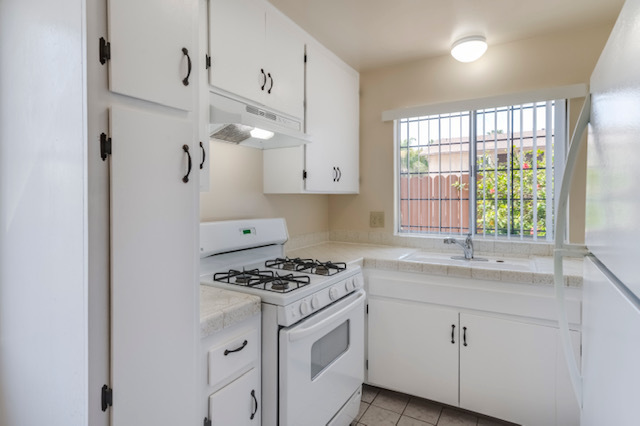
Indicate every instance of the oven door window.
{"type": "Point", "coordinates": [328, 348]}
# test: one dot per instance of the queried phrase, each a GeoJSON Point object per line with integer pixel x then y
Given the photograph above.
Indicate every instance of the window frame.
{"type": "Point", "coordinates": [559, 152]}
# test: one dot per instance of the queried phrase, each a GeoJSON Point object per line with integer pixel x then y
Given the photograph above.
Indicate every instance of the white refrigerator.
{"type": "Point", "coordinates": [607, 383]}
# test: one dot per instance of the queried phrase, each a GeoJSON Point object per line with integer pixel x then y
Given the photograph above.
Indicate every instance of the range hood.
{"type": "Point", "coordinates": [242, 123]}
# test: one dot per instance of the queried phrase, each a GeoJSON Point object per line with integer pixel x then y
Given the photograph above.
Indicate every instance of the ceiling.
{"type": "Point", "coordinates": [373, 33]}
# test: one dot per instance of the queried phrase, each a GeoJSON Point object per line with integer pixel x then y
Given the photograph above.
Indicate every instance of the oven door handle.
{"type": "Point", "coordinates": [299, 334]}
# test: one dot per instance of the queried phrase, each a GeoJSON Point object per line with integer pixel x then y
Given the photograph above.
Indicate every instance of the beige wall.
{"type": "Point", "coordinates": [542, 62]}
{"type": "Point", "coordinates": [236, 193]}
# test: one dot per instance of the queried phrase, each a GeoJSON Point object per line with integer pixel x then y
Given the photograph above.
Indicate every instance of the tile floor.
{"type": "Point", "coordinates": [381, 407]}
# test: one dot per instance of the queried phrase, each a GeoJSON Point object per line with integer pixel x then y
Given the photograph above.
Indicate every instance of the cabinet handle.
{"type": "Point", "coordinates": [255, 401]}
{"type": "Point", "coordinates": [335, 174]}
{"type": "Point", "coordinates": [453, 328]}
{"type": "Point", "coordinates": [264, 82]}
{"type": "Point", "coordinates": [227, 351]}
{"type": "Point", "coordinates": [185, 148]}
{"type": "Point", "coordinates": [204, 155]}
{"type": "Point", "coordinates": [339, 173]}
{"type": "Point", "coordinates": [464, 336]}
{"type": "Point", "coordinates": [186, 79]}
{"type": "Point", "coordinates": [270, 87]}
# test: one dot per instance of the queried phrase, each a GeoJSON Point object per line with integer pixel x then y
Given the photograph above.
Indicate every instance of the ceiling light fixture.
{"type": "Point", "coordinates": [468, 49]}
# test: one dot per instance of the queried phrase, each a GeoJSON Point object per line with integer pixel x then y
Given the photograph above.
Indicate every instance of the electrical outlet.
{"type": "Point", "coordinates": [376, 219]}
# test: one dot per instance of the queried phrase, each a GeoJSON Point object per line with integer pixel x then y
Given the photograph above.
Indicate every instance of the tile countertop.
{"type": "Point", "coordinates": [536, 270]}
{"type": "Point", "coordinates": [221, 308]}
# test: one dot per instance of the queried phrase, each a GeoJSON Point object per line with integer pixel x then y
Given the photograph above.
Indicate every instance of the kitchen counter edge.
{"type": "Point", "coordinates": [391, 258]}
{"type": "Point", "coordinates": [220, 308]}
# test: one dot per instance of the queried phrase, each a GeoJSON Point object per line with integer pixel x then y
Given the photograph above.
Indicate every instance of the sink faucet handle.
{"type": "Point", "coordinates": [468, 246]}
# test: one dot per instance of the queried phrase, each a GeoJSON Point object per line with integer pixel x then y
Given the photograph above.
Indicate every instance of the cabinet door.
{"type": "Point", "coordinates": [236, 43]}
{"type": "Point", "coordinates": [507, 369]}
{"type": "Point", "coordinates": [238, 403]}
{"type": "Point", "coordinates": [147, 60]}
{"type": "Point", "coordinates": [411, 349]}
{"type": "Point", "coordinates": [154, 240]}
{"type": "Point", "coordinates": [203, 99]}
{"type": "Point", "coordinates": [284, 64]}
{"type": "Point", "coordinates": [332, 121]}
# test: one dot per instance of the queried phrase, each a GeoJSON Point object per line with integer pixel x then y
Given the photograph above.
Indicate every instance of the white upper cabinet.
{"type": "Point", "coordinates": [257, 53]}
{"type": "Point", "coordinates": [236, 41]}
{"type": "Point", "coordinates": [333, 123]}
{"type": "Point", "coordinates": [152, 51]}
{"type": "Point", "coordinates": [284, 62]}
{"type": "Point", "coordinates": [330, 163]}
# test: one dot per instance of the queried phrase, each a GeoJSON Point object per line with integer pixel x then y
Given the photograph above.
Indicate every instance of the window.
{"type": "Point", "coordinates": [488, 172]}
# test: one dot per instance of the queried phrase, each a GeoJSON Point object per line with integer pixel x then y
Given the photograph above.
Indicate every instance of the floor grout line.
{"type": "Point", "coordinates": [375, 392]}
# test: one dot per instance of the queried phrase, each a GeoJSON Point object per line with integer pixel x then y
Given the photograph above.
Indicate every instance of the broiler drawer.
{"type": "Point", "coordinates": [233, 357]}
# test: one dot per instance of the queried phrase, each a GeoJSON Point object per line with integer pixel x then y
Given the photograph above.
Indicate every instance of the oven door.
{"type": "Point", "coordinates": [322, 362]}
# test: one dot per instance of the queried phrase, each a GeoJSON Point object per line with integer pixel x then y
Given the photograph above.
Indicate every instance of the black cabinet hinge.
{"type": "Point", "coordinates": [206, 422]}
{"type": "Point", "coordinates": [366, 364]}
{"type": "Point", "coordinates": [107, 397]}
{"type": "Point", "coordinates": [305, 58]}
{"type": "Point", "coordinates": [367, 308]}
{"type": "Point", "coordinates": [304, 174]}
{"type": "Point", "coordinates": [207, 61]}
{"type": "Point", "coordinates": [105, 146]}
{"type": "Point", "coordinates": [105, 50]}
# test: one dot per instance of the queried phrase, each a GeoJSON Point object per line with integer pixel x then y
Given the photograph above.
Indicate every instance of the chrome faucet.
{"type": "Point", "coordinates": [467, 246]}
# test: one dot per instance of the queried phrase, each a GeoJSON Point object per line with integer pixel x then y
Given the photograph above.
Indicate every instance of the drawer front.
{"type": "Point", "coordinates": [233, 357]}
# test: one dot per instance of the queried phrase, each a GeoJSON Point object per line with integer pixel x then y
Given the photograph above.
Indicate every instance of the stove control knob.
{"type": "Point", "coordinates": [357, 282]}
{"type": "Point", "coordinates": [315, 302]}
{"type": "Point", "coordinates": [333, 293]}
{"type": "Point", "coordinates": [304, 308]}
{"type": "Point", "coordinates": [349, 285]}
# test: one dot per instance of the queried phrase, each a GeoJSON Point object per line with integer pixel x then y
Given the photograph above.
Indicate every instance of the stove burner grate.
{"type": "Point", "coordinates": [264, 280]}
{"type": "Point", "coordinates": [309, 266]}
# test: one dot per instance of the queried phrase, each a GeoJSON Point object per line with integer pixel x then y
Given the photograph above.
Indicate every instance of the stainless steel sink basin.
{"type": "Point", "coordinates": [507, 263]}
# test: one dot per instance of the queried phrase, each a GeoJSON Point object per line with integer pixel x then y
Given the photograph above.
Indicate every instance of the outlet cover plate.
{"type": "Point", "coordinates": [376, 219]}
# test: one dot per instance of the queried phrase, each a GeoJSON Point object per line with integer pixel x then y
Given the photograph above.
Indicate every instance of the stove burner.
{"type": "Point", "coordinates": [328, 268]}
{"type": "Point", "coordinates": [279, 285]}
{"type": "Point", "coordinates": [289, 266]}
{"type": "Point", "coordinates": [321, 270]}
{"type": "Point", "coordinates": [243, 279]}
{"type": "Point", "coordinates": [286, 263]}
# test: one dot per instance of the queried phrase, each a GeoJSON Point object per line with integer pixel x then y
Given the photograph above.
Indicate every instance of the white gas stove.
{"type": "Point", "coordinates": [312, 320]}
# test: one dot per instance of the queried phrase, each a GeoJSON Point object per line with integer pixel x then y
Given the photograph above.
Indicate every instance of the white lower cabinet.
{"type": "Point", "coordinates": [237, 403]}
{"type": "Point", "coordinates": [470, 354]}
{"type": "Point", "coordinates": [231, 375]}
{"type": "Point", "coordinates": [508, 369]}
{"type": "Point", "coordinates": [403, 335]}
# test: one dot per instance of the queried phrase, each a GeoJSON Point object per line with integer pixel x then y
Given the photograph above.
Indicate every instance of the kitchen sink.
{"type": "Point", "coordinates": [508, 263]}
